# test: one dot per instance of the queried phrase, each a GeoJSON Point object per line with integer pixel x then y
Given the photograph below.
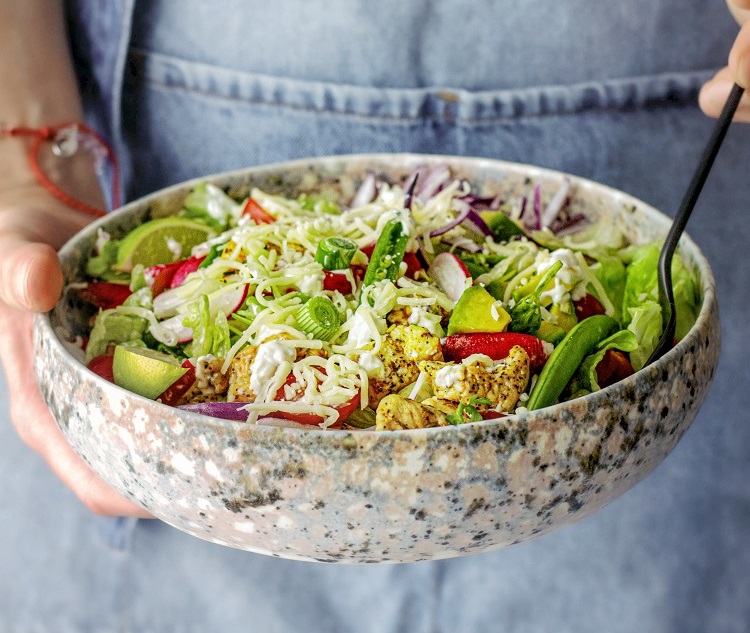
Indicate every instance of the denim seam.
{"type": "Point", "coordinates": [416, 120]}
{"type": "Point", "coordinates": [437, 105]}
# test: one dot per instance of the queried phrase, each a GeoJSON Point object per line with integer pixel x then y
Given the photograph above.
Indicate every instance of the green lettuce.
{"type": "Point", "coordinates": [113, 327]}
{"type": "Point", "coordinates": [641, 286]}
{"type": "Point", "coordinates": [610, 271]}
{"type": "Point", "coordinates": [646, 324]}
{"type": "Point", "coordinates": [209, 204]}
{"type": "Point", "coordinates": [210, 335]}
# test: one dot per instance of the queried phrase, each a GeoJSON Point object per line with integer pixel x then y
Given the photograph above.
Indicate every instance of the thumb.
{"type": "Point", "coordinates": [30, 275]}
{"type": "Point", "coordinates": [739, 57]}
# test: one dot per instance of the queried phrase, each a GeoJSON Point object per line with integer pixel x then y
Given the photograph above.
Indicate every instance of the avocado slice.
{"type": "Point", "coordinates": [473, 313]}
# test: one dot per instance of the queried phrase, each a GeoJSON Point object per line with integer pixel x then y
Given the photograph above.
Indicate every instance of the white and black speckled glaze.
{"type": "Point", "coordinates": [341, 496]}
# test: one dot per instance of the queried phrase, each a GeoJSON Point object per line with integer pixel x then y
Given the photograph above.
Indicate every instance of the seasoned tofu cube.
{"type": "Point", "coordinates": [210, 383]}
{"type": "Point", "coordinates": [396, 413]}
{"type": "Point", "coordinates": [403, 347]}
{"type": "Point", "coordinates": [502, 382]}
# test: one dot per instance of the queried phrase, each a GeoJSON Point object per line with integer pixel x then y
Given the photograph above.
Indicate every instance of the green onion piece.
{"type": "Point", "coordinates": [335, 253]}
{"type": "Point", "coordinates": [318, 317]}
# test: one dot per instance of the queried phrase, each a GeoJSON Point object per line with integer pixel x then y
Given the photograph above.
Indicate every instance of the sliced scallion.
{"type": "Point", "coordinates": [319, 318]}
{"type": "Point", "coordinates": [335, 253]}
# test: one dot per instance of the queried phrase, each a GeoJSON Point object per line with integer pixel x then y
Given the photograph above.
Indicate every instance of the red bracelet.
{"type": "Point", "coordinates": [66, 139]}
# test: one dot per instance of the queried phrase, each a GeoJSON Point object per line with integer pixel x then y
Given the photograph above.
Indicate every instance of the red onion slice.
{"type": "Point", "coordinates": [432, 182]}
{"type": "Point", "coordinates": [475, 222]}
{"type": "Point", "coordinates": [537, 207]}
{"type": "Point", "coordinates": [224, 410]}
{"type": "Point", "coordinates": [453, 224]}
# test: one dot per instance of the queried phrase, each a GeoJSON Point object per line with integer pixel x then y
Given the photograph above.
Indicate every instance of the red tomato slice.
{"type": "Point", "coordinates": [588, 306]}
{"type": "Point", "coordinates": [614, 367]}
{"type": "Point", "coordinates": [492, 415]}
{"type": "Point", "coordinates": [102, 366]}
{"type": "Point", "coordinates": [105, 295]}
{"type": "Point", "coordinates": [413, 265]}
{"type": "Point", "coordinates": [312, 419]}
{"type": "Point", "coordinates": [258, 214]}
{"type": "Point", "coordinates": [173, 394]}
{"type": "Point", "coordinates": [334, 280]}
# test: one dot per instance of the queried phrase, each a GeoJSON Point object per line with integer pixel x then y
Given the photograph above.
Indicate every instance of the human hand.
{"type": "Point", "coordinates": [32, 226]}
{"type": "Point", "coordinates": [714, 92]}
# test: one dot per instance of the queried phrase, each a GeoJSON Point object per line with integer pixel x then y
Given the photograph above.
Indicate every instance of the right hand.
{"type": "Point", "coordinates": [32, 226]}
{"type": "Point", "coordinates": [714, 92]}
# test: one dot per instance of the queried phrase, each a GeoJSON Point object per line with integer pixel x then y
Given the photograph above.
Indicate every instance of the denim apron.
{"type": "Point", "coordinates": [605, 90]}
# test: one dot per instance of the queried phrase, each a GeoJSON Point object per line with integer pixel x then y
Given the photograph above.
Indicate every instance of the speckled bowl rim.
{"type": "Point", "coordinates": [659, 219]}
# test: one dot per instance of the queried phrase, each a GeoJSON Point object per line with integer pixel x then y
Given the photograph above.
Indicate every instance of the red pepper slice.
{"type": "Point", "coordinates": [496, 345]}
{"type": "Point", "coordinates": [105, 295]}
{"type": "Point", "coordinates": [588, 306]}
{"type": "Point", "coordinates": [613, 367]}
{"type": "Point", "coordinates": [258, 214]}
{"type": "Point", "coordinates": [334, 280]}
{"type": "Point", "coordinates": [173, 394]}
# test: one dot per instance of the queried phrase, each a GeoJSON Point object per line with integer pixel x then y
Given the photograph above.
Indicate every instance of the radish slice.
{"type": "Point", "coordinates": [450, 274]}
{"type": "Point", "coordinates": [183, 332]}
{"type": "Point", "coordinates": [175, 300]}
{"type": "Point", "coordinates": [189, 266]}
{"type": "Point", "coordinates": [227, 300]}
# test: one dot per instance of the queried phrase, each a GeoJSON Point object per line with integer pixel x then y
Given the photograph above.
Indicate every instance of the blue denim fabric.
{"type": "Point", "coordinates": [604, 90]}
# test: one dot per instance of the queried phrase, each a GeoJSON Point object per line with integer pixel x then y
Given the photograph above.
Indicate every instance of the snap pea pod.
{"type": "Point", "coordinates": [567, 358]}
{"type": "Point", "coordinates": [388, 253]}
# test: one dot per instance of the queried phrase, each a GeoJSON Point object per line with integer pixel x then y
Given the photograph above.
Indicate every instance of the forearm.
{"type": "Point", "coordinates": [39, 88]}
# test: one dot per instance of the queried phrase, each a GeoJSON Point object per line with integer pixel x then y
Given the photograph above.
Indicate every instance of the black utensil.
{"type": "Point", "coordinates": [666, 294]}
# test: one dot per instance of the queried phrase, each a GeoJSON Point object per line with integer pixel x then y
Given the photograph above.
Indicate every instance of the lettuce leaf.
{"type": "Point", "coordinates": [209, 204]}
{"type": "Point", "coordinates": [100, 265]}
{"type": "Point", "coordinates": [641, 286]}
{"type": "Point", "coordinates": [113, 327]}
{"type": "Point", "coordinates": [646, 324]}
{"type": "Point", "coordinates": [610, 271]}
{"type": "Point", "coordinates": [210, 335]}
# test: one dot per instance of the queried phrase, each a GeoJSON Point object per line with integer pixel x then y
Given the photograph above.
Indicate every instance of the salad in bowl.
{"type": "Point", "coordinates": [375, 358]}
{"type": "Point", "coordinates": [411, 304]}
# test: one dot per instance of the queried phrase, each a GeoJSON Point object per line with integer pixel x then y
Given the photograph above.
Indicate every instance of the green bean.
{"type": "Point", "coordinates": [388, 253]}
{"type": "Point", "coordinates": [567, 358]}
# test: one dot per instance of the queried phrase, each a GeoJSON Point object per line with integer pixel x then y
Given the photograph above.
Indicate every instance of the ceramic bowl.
{"type": "Point", "coordinates": [363, 496]}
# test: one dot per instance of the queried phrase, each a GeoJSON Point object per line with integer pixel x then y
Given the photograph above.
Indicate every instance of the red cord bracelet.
{"type": "Point", "coordinates": [66, 139]}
